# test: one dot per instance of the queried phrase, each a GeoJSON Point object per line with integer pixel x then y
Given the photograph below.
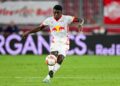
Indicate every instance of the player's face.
{"type": "Point", "coordinates": [57, 14]}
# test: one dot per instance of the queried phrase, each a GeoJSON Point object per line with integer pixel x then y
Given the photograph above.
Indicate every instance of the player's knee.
{"type": "Point", "coordinates": [60, 59]}
{"type": "Point", "coordinates": [54, 53]}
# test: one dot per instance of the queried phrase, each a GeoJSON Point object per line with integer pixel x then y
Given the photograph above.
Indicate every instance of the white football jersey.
{"type": "Point", "coordinates": [59, 28]}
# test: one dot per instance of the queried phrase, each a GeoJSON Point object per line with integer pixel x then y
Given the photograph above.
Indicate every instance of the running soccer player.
{"type": "Point", "coordinates": [58, 25]}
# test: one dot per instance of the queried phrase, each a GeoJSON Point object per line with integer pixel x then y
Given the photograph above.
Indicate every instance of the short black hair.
{"type": "Point", "coordinates": [58, 7]}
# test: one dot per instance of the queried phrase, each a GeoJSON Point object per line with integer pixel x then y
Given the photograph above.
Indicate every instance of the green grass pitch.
{"type": "Point", "coordinates": [30, 70]}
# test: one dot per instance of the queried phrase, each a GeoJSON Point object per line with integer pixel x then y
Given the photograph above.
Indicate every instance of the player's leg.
{"type": "Point", "coordinates": [60, 54]}
{"type": "Point", "coordinates": [60, 59]}
{"type": "Point", "coordinates": [57, 65]}
{"type": "Point", "coordinates": [55, 53]}
{"type": "Point", "coordinates": [53, 69]}
{"type": "Point", "coordinates": [50, 73]}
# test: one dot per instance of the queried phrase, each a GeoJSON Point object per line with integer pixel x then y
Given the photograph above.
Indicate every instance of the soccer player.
{"type": "Point", "coordinates": [58, 25]}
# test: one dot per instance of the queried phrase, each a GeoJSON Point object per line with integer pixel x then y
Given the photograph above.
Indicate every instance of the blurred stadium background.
{"type": "Point", "coordinates": [100, 41]}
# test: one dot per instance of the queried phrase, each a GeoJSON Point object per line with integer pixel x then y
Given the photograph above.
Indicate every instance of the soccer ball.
{"type": "Point", "coordinates": [51, 60]}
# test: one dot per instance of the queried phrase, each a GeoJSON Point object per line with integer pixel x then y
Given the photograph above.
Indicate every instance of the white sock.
{"type": "Point", "coordinates": [56, 67]}
{"type": "Point", "coordinates": [48, 76]}
{"type": "Point", "coordinates": [50, 67]}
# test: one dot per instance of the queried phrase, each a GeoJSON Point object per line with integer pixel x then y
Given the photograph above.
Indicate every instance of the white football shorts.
{"type": "Point", "coordinates": [61, 47]}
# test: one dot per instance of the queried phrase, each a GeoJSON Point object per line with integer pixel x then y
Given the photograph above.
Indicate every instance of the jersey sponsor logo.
{"type": "Point", "coordinates": [57, 28]}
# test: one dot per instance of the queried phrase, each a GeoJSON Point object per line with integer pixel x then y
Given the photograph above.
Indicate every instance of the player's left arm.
{"type": "Point", "coordinates": [80, 22]}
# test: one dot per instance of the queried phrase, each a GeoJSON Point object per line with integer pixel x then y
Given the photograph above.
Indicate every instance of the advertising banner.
{"type": "Point", "coordinates": [25, 12]}
{"type": "Point", "coordinates": [112, 11]}
{"type": "Point", "coordinates": [79, 44]}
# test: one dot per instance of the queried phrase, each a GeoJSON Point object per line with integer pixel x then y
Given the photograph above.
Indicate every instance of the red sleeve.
{"type": "Point", "coordinates": [75, 19]}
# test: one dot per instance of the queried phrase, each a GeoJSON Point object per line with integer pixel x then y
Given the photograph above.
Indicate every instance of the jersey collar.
{"type": "Point", "coordinates": [57, 19]}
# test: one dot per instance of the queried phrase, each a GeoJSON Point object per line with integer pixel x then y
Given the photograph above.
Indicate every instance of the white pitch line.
{"type": "Point", "coordinates": [63, 77]}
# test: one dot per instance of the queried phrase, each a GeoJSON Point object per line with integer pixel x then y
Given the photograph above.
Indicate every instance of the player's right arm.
{"type": "Point", "coordinates": [34, 30]}
{"type": "Point", "coordinates": [44, 24]}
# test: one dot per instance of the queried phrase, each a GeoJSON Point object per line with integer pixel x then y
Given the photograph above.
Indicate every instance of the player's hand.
{"type": "Point", "coordinates": [80, 28]}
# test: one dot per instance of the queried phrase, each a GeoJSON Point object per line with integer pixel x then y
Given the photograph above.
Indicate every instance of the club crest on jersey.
{"type": "Point", "coordinates": [57, 28]}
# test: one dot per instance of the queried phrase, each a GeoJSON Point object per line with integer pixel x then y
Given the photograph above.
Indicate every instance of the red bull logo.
{"type": "Point", "coordinates": [57, 28]}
